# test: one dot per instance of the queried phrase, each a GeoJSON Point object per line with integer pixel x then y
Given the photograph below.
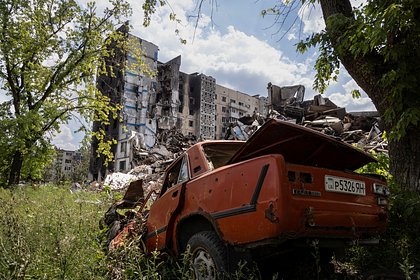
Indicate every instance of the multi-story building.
{"type": "Point", "coordinates": [64, 163]}
{"type": "Point", "coordinates": [232, 105]}
{"type": "Point", "coordinates": [134, 87]}
{"type": "Point", "coordinates": [197, 112]}
{"type": "Point", "coordinates": [160, 98]}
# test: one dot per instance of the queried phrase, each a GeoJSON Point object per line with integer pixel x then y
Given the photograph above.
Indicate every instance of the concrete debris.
{"type": "Point", "coordinates": [152, 175]}
{"type": "Point", "coordinates": [169, 144]}
{"type": "Point", "coordinates": [149, 164]}
{"type": "Point", "coordinates": [75, 187]}
{"type": "Point", "coordinates": [174, 140]}
{"type": "Point", "coordinates": [118, 181]}
{"type": "Point", "coordinates": [321, 114]}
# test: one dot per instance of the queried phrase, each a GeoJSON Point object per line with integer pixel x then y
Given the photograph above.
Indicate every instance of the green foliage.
{"type": "Point", "coordinates": [149, 8]}
{"type": "Point", "coordinates": [398, 250]}
{"type": "Point", "coordinates": [80, 171]}
{"type": "Point", "coordinates": [49, 233]}
{"type": "Point", "coordinates": [355, 93]}
{"type": "Point", "coordinates": [50, 54]}
{"type": "Point", "coordinates": [131, 262]}
{"type": "Point", "coordinates": [381, 167]}
{"type": "Point", "coordinates": [327, 63]}
{"type": "Point", "coordinates": [384, 37]}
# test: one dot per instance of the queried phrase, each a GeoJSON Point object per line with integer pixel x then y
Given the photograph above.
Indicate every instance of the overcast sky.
{"type": "Point", "coordinates": [238, 47]}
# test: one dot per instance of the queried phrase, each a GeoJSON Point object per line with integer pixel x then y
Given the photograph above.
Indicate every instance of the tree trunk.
{"type": "Point", "coordinates": [405, 160]}
{"type": "Point", "coordinates": [14, 176]}
{"type": "Point", "coordinates": [367, 71]}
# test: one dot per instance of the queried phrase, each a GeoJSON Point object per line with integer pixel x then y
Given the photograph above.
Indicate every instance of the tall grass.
{"type": "Point", "coordinates": [49, 233]}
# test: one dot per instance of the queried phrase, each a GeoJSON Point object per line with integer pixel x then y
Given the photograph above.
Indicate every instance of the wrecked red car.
{"type": "Point", "coordinates": [286, 184]}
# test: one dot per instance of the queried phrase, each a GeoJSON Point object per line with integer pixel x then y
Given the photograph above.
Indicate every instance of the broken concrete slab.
{"type": "Point", "coordinates": [118, 180]}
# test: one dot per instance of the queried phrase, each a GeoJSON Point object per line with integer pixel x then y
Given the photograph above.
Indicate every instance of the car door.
{"type": "Point", "coordinates": [162, 213]}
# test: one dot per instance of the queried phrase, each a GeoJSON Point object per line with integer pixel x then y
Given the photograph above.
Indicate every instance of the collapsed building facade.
{"type": "Point", "coordinates": [161, 99]}
{"type": "Point", "coordinates": [162, 106]}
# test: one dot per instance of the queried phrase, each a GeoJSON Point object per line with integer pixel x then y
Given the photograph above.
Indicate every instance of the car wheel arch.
{"type": "Point", "coordinates": [192, 224]}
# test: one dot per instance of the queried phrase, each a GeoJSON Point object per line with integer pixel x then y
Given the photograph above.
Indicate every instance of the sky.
{"type": "Point", "coordinates": [236, 45]}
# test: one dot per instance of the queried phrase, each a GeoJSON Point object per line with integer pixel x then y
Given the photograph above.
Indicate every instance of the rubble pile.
{"type": "Point", "coordinates": [174, 140]}
{"type": "Point", "coordinates": [321, 114]}
{"type": "Point", "coordinates": [149, 164]}
{"type": "Point", "coordinates": [152, 175]}
{"type": "Point", "coordinates": [287, 104]}
{"type": "Point", "coordinates": [118, 180]}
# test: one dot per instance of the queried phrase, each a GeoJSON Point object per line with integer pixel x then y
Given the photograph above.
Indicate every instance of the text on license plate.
{"type": "Point", "coordinates": [344, 185]}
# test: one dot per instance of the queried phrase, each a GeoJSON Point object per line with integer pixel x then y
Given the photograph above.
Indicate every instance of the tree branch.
{"type": "Point", "coordinates": [366, 70]}
{"type": "Point", "coordinates": [57, 76]}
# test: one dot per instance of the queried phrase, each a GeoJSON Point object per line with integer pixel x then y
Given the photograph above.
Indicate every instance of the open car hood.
{"type": "Point", "coordinates": [301, 145]}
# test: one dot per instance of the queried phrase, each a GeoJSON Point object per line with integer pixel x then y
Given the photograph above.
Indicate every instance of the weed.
{"type": "Point", "coordinates": [48, 232]}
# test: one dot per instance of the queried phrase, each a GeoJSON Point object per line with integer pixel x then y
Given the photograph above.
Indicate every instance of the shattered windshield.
{"type": "Point", "coordinates": [218, 154]}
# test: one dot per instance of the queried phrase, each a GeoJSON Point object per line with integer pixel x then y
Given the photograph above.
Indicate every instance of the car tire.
{"type": "Point", "coordinates": [208, 255]}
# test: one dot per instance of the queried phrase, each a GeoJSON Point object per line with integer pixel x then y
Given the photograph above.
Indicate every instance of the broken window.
{"type": "Point", "coordinates": [122, 165]}
{"type": "Point", "coordinates": [183, 172]}
{"type": "Point", "coordinates": [219, 154]}
{"type": "Point", "coordinates": [191, 123]}
{"type": "Point", "coordinates": [223, 109]}
{"type": "Point", "coordinates": [177, 174]}
{"type": "Point", "coordinates": [224, 98]}
{"type": "Point", "coordinates": [233, 101]}
{"type": "Point", "coordinates": [123, 147]}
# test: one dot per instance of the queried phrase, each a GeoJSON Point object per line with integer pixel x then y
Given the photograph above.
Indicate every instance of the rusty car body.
{"type": "Point", "coordinates": [286, 183]}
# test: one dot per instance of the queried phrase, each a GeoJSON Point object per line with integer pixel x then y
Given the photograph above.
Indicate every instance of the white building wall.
{"type": "Point", "coordinates": [139, 89]}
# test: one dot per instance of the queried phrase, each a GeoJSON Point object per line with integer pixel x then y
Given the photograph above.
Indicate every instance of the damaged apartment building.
{"type": "Point", "coordinates": [192, 104]}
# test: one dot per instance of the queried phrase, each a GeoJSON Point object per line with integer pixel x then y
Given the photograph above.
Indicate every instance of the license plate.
{"type": "Point", "coordinates": [344, 185]}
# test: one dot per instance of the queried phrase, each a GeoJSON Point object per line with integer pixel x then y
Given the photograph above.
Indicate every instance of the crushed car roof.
{"type": "Point", "coordinates": [301, 145]}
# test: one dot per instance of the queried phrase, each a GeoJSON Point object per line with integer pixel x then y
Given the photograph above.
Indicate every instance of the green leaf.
{"type": "Point", "coordinates": [355, 93]}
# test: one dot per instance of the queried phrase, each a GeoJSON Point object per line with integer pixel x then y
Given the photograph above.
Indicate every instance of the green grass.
{"type": "Point", "coordinates": [50, 233]}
